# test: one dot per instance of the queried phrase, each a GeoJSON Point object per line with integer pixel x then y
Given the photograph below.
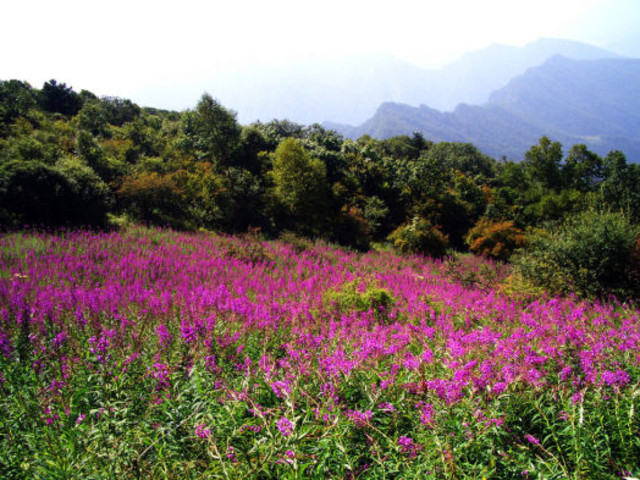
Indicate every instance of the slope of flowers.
{"type": "Point", "coordinates": [155, 354]}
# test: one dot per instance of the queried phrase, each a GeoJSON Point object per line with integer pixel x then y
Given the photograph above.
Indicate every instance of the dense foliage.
{"type": "Point", "coordinates": [591, 254]}
{"type": "Point", "coordinates": [70, 159]}
{"type": "Point", "coordinates": [157, 354]}
{"type": "Point", "coordinates": [497, 240]}
{"type": "Point", "coordinates": [201, 169]}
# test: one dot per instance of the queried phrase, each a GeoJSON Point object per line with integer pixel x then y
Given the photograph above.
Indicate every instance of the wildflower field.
{"type": "Point", "coordinates": [155, 354]}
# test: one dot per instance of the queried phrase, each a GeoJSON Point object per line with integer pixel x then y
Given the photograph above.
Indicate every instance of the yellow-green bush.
{"type": "Point", "coordinates": [419, 236]}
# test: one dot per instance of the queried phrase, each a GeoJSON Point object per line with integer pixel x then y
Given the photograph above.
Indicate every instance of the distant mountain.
{"type": "Point", "coordinates": [590, 98]}
{"type": "Point", "coordinates": [475, 75]}
{"type": "Point", "coordinates": [595, 102]}
{"type": "Point", "coordinates": [349, 88]}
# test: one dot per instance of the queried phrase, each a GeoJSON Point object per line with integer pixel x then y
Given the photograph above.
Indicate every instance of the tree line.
{"type": "Point", "coordinates": [73, 158]}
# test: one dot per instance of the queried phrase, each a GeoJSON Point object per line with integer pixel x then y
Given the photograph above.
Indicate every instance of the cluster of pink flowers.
{"type": "Point", "coordinates": [202, 431]}
{"type": "Point", "coordinates": [360, 419]}
{"type": "Point", "coordinates": [285, 426]}
{"type": "Point", "coordinates": [119, 295]}
{"type": "Point", "coordinates": [408, 446]}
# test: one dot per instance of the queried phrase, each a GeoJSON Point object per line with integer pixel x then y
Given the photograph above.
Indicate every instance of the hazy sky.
{"type": "Point", "coordinates": [122, 47]}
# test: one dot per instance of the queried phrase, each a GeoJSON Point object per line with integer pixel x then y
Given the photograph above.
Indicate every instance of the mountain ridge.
{"type": "Point", "coordinates": [574, 101]}
{"type": "Point", "coordinates": [349, 88]}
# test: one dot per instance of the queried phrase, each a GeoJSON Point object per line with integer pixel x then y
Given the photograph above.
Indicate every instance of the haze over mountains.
{"type": "Point", "coordinates": [501, 98]}
{"type": "Point", "coordinates": [349, 89]}
{"type": "Point", "coordinates": [595, 102]}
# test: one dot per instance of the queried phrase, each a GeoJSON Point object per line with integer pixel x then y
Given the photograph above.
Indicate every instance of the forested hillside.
{"type": "Point", "coordinates": [71, 158]}
{"type": "Point", "coordinates": [129, 350]}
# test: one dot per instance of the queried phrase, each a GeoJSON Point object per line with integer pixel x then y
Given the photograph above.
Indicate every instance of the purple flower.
{"type": "Point", "coordinates": [59, 339]}
{"type": "Point", "coordinates": [231, 455]}
{"type": "Point", "coordinates": [202, 431]}
{"type": "Point", "coordinates": [164, 336]}
{"type": "Point", "coordinates": [494, 421]}
{"type": "Point", "coordinates": [386, 407]}
{"type": "Point", "coordinates": [360, 419]}
{"type": "Point", "coordinates": [615, 379]}
{"type": "Point", "coordinates": [407, 446]}
{"type": "Point", "coordinates": [566, 373]}
{"type": "Point", "coordinates": [189, 334]}
{"type": "Point", "coordinates": [531, 439]}
{"type": "Point", "coordinates": [161, 373]}
{"type": "Point", "coordinates": [281, 389]}
{"type": "Point", "coordinates": [427, 413]}
{"type": "Point", "coordinates": [285, 426]}
{"type": "Point", "coordinates": [411, 362]}
{"type": "Point", "coordinates": [405, 441]}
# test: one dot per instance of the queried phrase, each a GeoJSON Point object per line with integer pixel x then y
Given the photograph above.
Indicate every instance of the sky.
{"type": "Point", "coordinates": [123, 47]}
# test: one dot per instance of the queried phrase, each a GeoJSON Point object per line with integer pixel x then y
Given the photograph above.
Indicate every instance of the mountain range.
{"type": "Point", "coordinates": [501, 98]}
{"type": "Point", "coordinates": [349, 88]}
{"type": "Point", "coordinates": [595, 102]}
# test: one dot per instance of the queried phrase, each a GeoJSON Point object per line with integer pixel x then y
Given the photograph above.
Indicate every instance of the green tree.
{"type": "Point", "coordinates": [252, 144]}
{"type": "Point", "coordinates": [119, 110]}
{"type": "Point", "coordinates": [92, 198]}
{"type": "Point", "coordinates": [93, 118]}
{"type": "Point", "coordinates": [16, 98]}
{"type": "Point", "coordinates": [56, 97]}
{"type": "Point", "coordinates": [300, 184]}
{"type": "Point", "coordinates": [419, 236]}
{"type": "Point", "coordinates": [620, 189]}
{"type": "Point", "coordinates": [582, 169]}
{"type": "Point", "coordinates": [542, 163]}
{"type": "Point", "coordinates": [277, 130]}
{"type": "Point", "coordinates": [211, 133]}
{"type": "Point", "coordinates": [405, 147]}
{"type": "Point", "coordinates": [463, 157]}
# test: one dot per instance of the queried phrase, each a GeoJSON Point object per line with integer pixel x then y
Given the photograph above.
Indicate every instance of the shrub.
{"type": "Point", "coordinates": [495, 239]}
{"type": "Point", "coordinates": [419, 236]}
{"type": "Point", "coordinates": [473, 272]}
{"type": "Point", "coordinates": [348, 297]}
{"type": "Point", "coordinates": [152, 197]}
{"type": "Point", "coordinates": [68, 194]}
{"type": "Point", "coordinates": [92, 197]}
{"type": "Point", "coordinates": [590, 254]}
{"type": "Point", "coordinates": [297, 242]}
{"type": "Point", "coordinates": [249, 247]}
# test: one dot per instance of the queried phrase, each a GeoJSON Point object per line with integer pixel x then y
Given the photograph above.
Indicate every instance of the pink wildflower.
{"type": "Point", "coordinates": [531, 439]}
{"type": "Point", "coordinates": [202, 431]}
{"type": "Point", "coordinates": [285, 426]}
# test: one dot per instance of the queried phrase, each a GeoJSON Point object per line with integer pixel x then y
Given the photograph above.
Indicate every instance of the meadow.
{"type": "Point", "coordinates": [149, 353]}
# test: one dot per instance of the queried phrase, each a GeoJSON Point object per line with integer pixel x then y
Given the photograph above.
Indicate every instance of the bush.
{"type": "Point", "coordinates": [91, 196]}
{"type": "Point", "coordinates": [152, 198]}
{"type": "Point", "coordinates": [495, 239]}
{"type": "Point", "coordinates": [68, 194]}
{"type": "Point", "coordinates": [348, 297]}
{"type": "Point", "coordinates": [297, 242]}
{"type": "Point", "coordinates": [419, 236]}
{"type": "Point", "coordinates": [590, 254]}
